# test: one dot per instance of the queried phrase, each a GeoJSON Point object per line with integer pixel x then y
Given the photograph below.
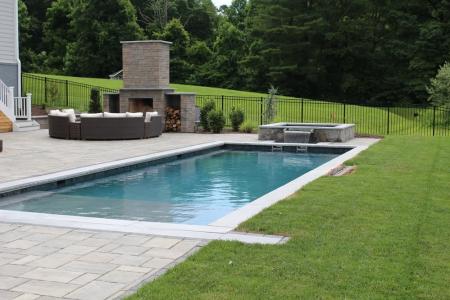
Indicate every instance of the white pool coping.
{"type": "Point", "coordinates": [221, 229]}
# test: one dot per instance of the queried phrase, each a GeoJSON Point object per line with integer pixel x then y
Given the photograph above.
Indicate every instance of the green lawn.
{"type": "Point", "coordinates": [382, 232]}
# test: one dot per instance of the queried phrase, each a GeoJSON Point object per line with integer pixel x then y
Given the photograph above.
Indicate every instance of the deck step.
{"type": "Point", "coordinates": [5, 123]}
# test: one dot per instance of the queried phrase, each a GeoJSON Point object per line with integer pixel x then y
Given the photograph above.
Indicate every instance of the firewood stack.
{"type": "Point", "coordinates": [173, 119]}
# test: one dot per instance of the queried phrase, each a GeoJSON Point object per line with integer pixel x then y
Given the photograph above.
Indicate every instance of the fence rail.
{"type": "Point", "coordinates": [50, 92]}
{"type": "Point", "coordinates": [370, 120]}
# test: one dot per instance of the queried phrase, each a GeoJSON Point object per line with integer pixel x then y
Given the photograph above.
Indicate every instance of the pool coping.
{"type": "Point", "coordinates": [221, 229]}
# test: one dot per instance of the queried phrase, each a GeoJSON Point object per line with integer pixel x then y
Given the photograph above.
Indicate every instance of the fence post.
{"type": "Point", "coordinates": [222, 103]}
{"type": "Point", "coordinates": [29, 106]}
{"type": "Point", "coordinates": [344, 113]}
{"type": "Point", "coordinates": [261, 111]}
{"type": "Point", "coordinates": [302, 111]}
{"type": "Point", "coordinates": [434, 119]}
{"type": "Point", "coordinates": [21, 85]}
{"type": "Point", "coordinates": [45, 90]}
{"type": "Point", "coordinates": [388, 119]}
{"type": "Point", "coordinates": [67, 93]}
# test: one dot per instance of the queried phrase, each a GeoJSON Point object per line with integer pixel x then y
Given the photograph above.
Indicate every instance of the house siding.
{"type": "Point", "coordinates": [8, 31]}
{"type": "Point", "coordinates": [9, 62]}
{"type": "Point", "coordinates": [9, 75]}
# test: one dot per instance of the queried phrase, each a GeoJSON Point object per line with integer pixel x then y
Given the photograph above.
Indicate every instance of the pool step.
{"type": "Point", "coordinates": [302, 149]}
{"type": "Point", "coordinates": [277, 148]}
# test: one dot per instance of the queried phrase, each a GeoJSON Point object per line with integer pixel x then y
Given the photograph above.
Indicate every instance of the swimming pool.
{"type": "Point", "coordinates": [193, 190]}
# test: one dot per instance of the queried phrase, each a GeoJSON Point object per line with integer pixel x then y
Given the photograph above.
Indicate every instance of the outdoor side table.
{"type": "Point", "coordinates": [75, 131]}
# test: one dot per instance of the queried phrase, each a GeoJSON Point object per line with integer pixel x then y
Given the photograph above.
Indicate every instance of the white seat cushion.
{"type": "Point", "coordinates": [134, 115]}
{"type": "Point", "coordinates": [99, 115]}
{"type": "Point", "coordinates": [149, 115]}
{"type": "Point", "coordinates": [114, 115]}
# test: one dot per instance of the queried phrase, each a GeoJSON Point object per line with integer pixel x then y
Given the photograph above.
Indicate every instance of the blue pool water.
{"type": "Point", "coordinates": [196, 190]}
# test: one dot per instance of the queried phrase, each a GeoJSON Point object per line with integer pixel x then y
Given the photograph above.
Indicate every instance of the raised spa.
{"type": "Point", "coordinates": [306, 132]}
{"type": "Point", "coordinates": [195, 189]}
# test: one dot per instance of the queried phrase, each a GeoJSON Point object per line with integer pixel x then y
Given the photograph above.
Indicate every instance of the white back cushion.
{"type": "Point", "coordinates": [114, 115]}
{"type": "Point", "coordinates": [54, 112]}
{"type": "Point", "coordinates": [69, 110]}
{"type": "Point", "coordinates": [134, 115]}
{"type": "Point", "coordinates": [71, 113]}
{"type": "Point", "coordinates": [99, 115]}
{"type": "Point", "coordinates": [149, 115]}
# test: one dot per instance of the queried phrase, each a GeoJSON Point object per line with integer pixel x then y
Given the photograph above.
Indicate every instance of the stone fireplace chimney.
{"type": "Point", "coordinates": [146, 64]}
{"type": "Point", "coordinates": [146, 77]}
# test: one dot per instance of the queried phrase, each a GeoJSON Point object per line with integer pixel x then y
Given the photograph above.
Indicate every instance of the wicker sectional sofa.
{"type": "Point", "coordinates": [103, 128]}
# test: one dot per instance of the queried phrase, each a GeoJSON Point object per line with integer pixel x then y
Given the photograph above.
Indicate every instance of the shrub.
{"type": "Point", "coordinates": [248, 127]}
{"type": "Point", "coordinates": [439, 90]}
{"type": "Point", "coordinates": [237, 118]}
{"type": "Point", "coordinates": [216, 121]}
{"type": "Point", "coordinates": [209, 106]}
{"type": "Point", "coordinates": [94, 104]}
{"type": "Point", "coordinates": [270, 110]}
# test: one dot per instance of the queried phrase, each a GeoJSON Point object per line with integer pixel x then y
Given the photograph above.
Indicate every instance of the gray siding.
{"type": "Point", "coordinates": [9, 74]}
{"type": "Point", "coordinates": [8, 31]}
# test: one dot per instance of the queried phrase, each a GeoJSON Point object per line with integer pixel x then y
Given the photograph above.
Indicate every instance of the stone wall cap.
{"type": "Point", "coordinates": [147, 42]}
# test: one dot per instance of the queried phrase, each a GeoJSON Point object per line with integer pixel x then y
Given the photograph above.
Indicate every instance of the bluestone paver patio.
{"type": "Point", "coordinates": [55, 262]}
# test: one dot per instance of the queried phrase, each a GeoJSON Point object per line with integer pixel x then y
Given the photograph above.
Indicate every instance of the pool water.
{"type": "Point", "coordinates": [196, 190]}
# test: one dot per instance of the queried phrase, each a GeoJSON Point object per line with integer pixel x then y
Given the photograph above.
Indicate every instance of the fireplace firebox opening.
{"type": "Point", "coordinates": [140, 105]}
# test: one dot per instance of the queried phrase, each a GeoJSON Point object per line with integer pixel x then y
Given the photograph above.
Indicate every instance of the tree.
{"type": "Point", "coordinates": [179, 66]}
{"type": "Point", "coordinates": [228, 50]}
{"type": "Point", "coordinates": [439, 89]}
{"type": "Point", "coordinates": [362, 50]}
{"type": "Point", "coordinates": [57, 33]}
{"type": "Point", "coordinates": [153, 15]}
{"type": "Point", "coordinates": [236, 13]}
{"type": "Point", "coordinates": [37, 13]}
{"type": "Point", "coordinates": [199, 17]}
{"type": "Point", "coordinates": [98, 28]}
{"type": "Point", "coordinates": [26, 55]}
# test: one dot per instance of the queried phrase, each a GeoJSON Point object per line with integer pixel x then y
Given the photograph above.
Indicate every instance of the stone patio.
{"type": "Point", "coordinates": [38, 262]}
{"type": "Point", "coordinates": [27, 154]}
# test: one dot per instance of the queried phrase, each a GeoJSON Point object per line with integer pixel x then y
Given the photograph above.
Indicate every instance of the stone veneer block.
{"type": "Point", "coordinates": [187, 110]}
{"type": "Point", "coordinates": [146, 64]}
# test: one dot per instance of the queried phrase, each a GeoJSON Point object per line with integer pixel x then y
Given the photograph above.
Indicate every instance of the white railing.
{"type": "Point", "coordinates": [7, 101]}
{"type": "Point", "coordinates": [22, 107]}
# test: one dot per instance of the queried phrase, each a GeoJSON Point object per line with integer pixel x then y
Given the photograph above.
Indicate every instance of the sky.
{"type": "Point", "coordinates": [218, 3]}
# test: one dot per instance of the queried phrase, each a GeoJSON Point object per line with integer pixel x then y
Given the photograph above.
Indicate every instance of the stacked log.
{"type": "Point", "coordinates": [173, 119]}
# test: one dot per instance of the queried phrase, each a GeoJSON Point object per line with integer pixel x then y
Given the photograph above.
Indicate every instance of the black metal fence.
{"type": "Point", "coordinates": [50, 92]}
{"type": "Point", "coordinates": [370, 120]}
